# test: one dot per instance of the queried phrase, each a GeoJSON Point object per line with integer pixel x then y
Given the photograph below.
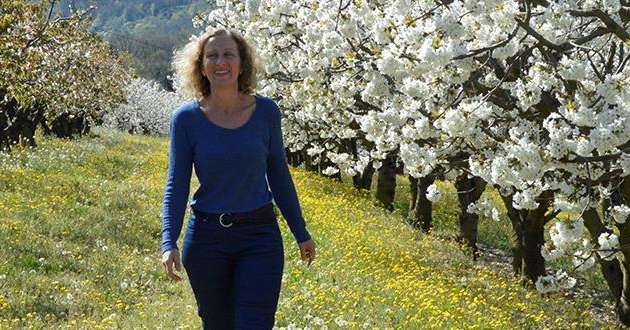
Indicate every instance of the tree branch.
{"type": "Point", "coordinates": [617, 29]}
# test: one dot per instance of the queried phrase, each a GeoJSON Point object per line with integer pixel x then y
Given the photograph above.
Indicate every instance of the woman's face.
{"type": "Point", "coordinates": [221, 61]}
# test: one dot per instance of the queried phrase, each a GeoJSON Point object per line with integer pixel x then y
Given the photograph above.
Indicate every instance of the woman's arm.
{"type": "Point", "coordinates": [281, 183]}
{"type": "Point", "coordinates": [177, 182]}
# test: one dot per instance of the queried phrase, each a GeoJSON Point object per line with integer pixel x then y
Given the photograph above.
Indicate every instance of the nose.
{"type": "Point", "coordinates": [220, 59]}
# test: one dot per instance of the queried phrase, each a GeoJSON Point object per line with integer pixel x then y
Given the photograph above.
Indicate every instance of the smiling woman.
{"type": "Point", "coordinates": [189, 63]}
{"type": "Point", "coordinates": [233, 251]}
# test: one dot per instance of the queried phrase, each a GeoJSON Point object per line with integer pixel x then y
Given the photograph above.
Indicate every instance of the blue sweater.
{"type": "Point", "coordinates": [231, 165]}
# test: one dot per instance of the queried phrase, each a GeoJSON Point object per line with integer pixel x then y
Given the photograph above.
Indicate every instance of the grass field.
{"type": "Point", "coordinates": [496, 234]}
{"type": "Point", "coordinates": [80, 231]}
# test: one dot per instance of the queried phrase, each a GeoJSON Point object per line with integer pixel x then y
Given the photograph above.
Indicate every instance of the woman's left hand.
{"type": "Point", "coordinates": [307, 251]}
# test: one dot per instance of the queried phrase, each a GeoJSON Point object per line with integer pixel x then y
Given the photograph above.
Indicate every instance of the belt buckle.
{"type": "Point", "coordinates": [221, 220]}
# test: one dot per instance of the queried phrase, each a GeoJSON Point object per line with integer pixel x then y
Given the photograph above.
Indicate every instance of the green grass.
{"type": "Point", "coordinates": [80, 230]}
{"type": "Point", "coordinates": [492, 233]}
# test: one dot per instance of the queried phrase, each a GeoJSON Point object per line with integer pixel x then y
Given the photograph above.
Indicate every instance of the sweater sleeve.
{"type": "Point", "coordinates": [177, 182]}
{"type": "Point", "coordinates": [281, 183]}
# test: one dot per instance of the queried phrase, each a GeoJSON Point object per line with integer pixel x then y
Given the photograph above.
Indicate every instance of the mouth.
{"type": "Point", "coordinates": [222, 73]}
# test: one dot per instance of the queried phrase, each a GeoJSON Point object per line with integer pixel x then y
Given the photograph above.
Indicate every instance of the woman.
{"type": "Point", "coordinates": [232, 251]}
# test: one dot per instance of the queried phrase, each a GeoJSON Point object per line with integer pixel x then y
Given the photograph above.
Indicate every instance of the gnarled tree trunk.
{"type": "Point", "coordinates": [386, 182]}
{"type": "Point", "coordinates": [67, 125]}
{"type": "Point", "coordinates": [529, 229]}
{"type": "Point", "coordinates": [469, 190]}
{"type": "Point", "coordinates": [421, 213]}
{"type": "Point", "coordinates": [610, 269]}
{"type": "Point", "coordinates": [18, 124]}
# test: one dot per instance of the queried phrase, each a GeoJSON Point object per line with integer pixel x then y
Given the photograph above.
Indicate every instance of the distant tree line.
{"type": "Point", "coordinates": [55, 74]}
{"type": "Point", "coordinates": [148, 30]}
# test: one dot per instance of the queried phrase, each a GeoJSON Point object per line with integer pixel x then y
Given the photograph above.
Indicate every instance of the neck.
{"type": "Point", "coordinates": [223, 100]}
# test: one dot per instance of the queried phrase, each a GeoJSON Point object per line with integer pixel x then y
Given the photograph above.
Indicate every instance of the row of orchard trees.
{"type": "Point", "coordinates": [54, 73]}
{"type": "Point", "coordinates": [147, 109]}
{"type": "Point", "coordinates": [528, 96]}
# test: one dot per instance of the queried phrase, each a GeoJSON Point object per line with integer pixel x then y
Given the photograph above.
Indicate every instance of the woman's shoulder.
{"type": "Point", "coordinates": [268, 105]}
{"type": "Point", "coordinates": [185, 110]}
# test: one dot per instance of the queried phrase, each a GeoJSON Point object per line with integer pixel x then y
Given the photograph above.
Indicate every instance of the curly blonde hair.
{"type": "Point", "coordinates": [188, 65]}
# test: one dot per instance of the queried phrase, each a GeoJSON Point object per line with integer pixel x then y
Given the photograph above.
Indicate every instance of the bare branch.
{"type": "Point", "coordinates": [617, 29]}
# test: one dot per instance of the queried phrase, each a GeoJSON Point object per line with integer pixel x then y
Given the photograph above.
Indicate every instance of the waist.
{"type": "Point", "coordinates": [263, 214]}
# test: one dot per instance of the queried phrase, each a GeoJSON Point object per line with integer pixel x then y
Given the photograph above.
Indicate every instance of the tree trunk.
{"type": "Point", "coordinates": [68, 125]}
{"type": "Point", "coordinates": [309, 164]}
{"type": "Point", "coordinates": [610, 269]}
{"type": "Point", "coordinates": [533, 240]}
{"type": "Point", "coordinates": [290, 158]}
{"type": "Point", "coordinates": [295, 158]}
{"type": "Point", "coordinates": [623, 303]}
{"type": "Point", "coordinates": [517, 252]}
{"type": "Point", "coordinates": [421, 214]}
{"type": "Point", "coordinates": [469, 191]}
{"type": "Point", "coordinates": [529, 226]}
{"type": "Point", "coordinates": [17, 124]}
{"type": "Point", "coordinates": [413, 187]}
{"type": "Point", "coordinates": [360, 181]}
{"type": "Point", "coordinates": [364, 180]}
{"type": "Point", "coordinates": [386, 182]}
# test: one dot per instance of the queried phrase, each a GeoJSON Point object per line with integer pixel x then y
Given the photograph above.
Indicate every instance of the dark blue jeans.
{"type": "Point", "coordinates": [235, 273]}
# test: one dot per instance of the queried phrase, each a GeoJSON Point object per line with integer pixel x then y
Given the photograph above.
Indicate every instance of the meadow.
{"type": "Point", "coordinates": [80, 232]}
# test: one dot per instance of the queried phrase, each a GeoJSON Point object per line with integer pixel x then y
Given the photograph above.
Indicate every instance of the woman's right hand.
{"type": "Point", "coordinates": [170, 258]}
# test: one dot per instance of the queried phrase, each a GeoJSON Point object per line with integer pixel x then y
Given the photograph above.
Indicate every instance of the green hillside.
{"type": "Point", "coordinates": [80, 230]}
{"type": "Point", "coordinates": [148, 30]}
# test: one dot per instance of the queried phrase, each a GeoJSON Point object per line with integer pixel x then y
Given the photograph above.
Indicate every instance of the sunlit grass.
{"type": "Point", "coordinates": [492, 233]}
{"type": "Point", "coordinates": [80, 231]}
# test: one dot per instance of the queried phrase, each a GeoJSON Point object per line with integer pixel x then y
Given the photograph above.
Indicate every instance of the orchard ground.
{"type": "Point", "coordinates": [80, 230]}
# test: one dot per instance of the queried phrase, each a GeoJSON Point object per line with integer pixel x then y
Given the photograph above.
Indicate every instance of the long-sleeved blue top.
{"type": "Point", "coordinates": [235, 168]}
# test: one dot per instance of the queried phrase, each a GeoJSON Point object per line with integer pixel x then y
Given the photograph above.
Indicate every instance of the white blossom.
{"type": "Point", "coordinates": [620, 213]}
{"type": "Point", "coordinates": [433, 193]}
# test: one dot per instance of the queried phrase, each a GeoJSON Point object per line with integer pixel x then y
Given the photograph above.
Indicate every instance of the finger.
{"type": "Point", "coordinates": [169, 270]}
{"type": "Point", "coordinates": [313, 253]}
{"type": "Point", "coordinates": [173, 276]}
{"type": "Point", "coordinates": [178, 264]}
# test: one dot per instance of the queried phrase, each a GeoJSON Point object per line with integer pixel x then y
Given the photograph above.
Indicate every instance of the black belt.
{"type": "Point", "coordinates": [259, 216]}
